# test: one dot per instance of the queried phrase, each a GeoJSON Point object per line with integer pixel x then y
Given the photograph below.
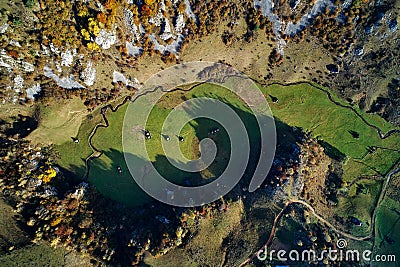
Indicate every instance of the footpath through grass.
{"type": "Point", "coordinates": [110, 173]}
{"type": "Point", "coordinates": [343, 134]}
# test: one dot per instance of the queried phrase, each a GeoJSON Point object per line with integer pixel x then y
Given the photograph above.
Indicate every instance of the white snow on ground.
{"type": "Point", "coordinates": [67, 57]}
{"type": "Point", "coordinates": [119, 77]}
{"type": "Point", "coordinates": [58, 67]}
{"type": "Point", "coordinates": [267, 9]}
{"type": "Point", "coordinates": [15, 43]}
{"type": "Point", "coordinates": [180, 23]}
{"type": "Point", "coordinates": [134, 50]}
{"type": "Point", "coordinates": [67, 83]}
{"type": "Point", "coordinates": [18, 84]}
{"type": "Point", "coordinates": [28, 67]}
{"type": "Point", "coordinates": [106, 39]}
{"type": "Point", "coordinates": [305, 21]}
{"type": "Point", "coordinates": [11, 64]}
{"type": "Point", "coordinates": [3, 28]}
{"type": "Point", "coordinates": [172, 48]}
{"type": "Point", "coordinates": [168, 28]}
{"type": "Point", "coordinates": [280, 44]}
{"type": "Point", "coordinates": [45, 50]}
{"type": "Point", "coordinates": [158, 19]}
{"type": "Point", "coordinates": [88, 75]}
{"type": "Point", "coordinates": [128, 16]}
{"type": "Point", "coordinates": [296, 4]}
{"type": "Point", "coordinates": [189, 11]}
{"type": "Point", "coordinates": [54, 49]}
{"type": "Point", "coordinates": [162, 6]}
{"type": "Point", "coordinates": [34, 90]}
{"type": "Point", "coordinates": [166, 35]}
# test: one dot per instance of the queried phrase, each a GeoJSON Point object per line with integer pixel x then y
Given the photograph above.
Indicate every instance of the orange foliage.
{"type": "Point", "coordinates": [13, 53]}
{"type": "Point", "coordinates": [101, 17]}
{"type": "Point", "coordinates": [111, 4]}
{"type": "Point", "coordinates": [63, 230]}
{"type": "Point", "coordinates": [146, 10]}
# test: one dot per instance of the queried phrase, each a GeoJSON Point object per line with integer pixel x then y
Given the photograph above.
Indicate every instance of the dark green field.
{"type": "Point", "coordinates": [300, 105]}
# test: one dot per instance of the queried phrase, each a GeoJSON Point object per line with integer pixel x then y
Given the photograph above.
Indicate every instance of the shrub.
{"type": "Point", "coordinates": [29, 3]}
{"type": "Point", "coordinates": [93, 27]}
{"type": "Point", "coordinates": [93, 46]}
{"type": "Point", "coordinates": [101, 17]}
{"type": "Point", "coordinates": [85, 34]}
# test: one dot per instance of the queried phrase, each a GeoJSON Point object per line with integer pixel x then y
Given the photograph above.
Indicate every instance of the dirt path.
{"type": "Point", "coordinates": [381, 134]}
{"type": "Point", "coordinates": [97, 152]}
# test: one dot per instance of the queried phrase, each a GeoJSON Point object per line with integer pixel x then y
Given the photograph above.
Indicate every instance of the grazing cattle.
{"type": "Point", "coordinates": [119, 169]}
{"type": "Point", "coordinates": [214, 131]}
{"type": "Point", "coordinates": [147, 134]}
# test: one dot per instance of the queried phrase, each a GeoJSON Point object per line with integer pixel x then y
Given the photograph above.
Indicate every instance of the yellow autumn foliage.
{"type": "Point", "coordinates": [149, 2]}
{"type": "Point", "coordinates": [48, 175]}
{"type": "Point", "coordinates": [83, 12]}
{"type": "Point", "coordinates": [93, 46]}
{"type": "Point", "coordinates": [55, 222]}
{"type": "Point", "coordinates": [93, 27]}
{"type": "Point", "coordinates": [111, 4]}
{"type": "Point", "coordinates": [85, 34]}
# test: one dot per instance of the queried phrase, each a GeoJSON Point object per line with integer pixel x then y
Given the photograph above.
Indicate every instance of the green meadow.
{"type": "Point", "coordinates": [343, 134]}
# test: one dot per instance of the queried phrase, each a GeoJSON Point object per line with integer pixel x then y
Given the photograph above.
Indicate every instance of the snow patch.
{"type": "Point", "coordinates": [279, 26]}
{"type": "Point", "coordinates": [106, 39]}
{"type": "Point", "coordinates": [88, 75]}
{"type": "Point", "coordinates": [189, 11]}
{"type": "Point", "coordinates": [45, 50]}
{"type": "Point", "coordinates": [166, 35]}
{"type": "Point", "coordinates": [54, 49]}
{"type": "Point", "coordinates": [133, 28]}
{"type": "Point", "coordinates": [3, 28]}
{"type": "Point", "coordinates": [67, 83]}
{"type": "Point", "coordinates": [18, 83]}
{"type": "Point", "coordinates": [34, 90]}
{"type": "Point", "coordinates": [305, 21]}
{"type": "Point", "coordinates": [267, 8]}
{"type": "Point", "coordinates": [346, 4]}
{"type": "Point", "coordinates": [172, 48]}
{"type": "Point", "coordinates": [158, 19]}
{"type": "Point", "coordinates": [180, 23]}
{"type": "Point", "coordinates": [15, 43]}
{"type": "Point", "coordinates": [119, 77]}
{"type": "Point", "coordinates": [67, 58]}
{"type": "Point", "coordinates": [11, 64]}
{"type": "Point", "coordinates": [134, 50]}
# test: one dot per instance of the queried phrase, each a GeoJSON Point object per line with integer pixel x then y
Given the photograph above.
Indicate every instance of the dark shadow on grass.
{"type": "Point", "coordinates": [121, 187]}
{"type": "Point", "coordinates": [116, 185]}
{"type": "Point", "coordinates": [332, 151]}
